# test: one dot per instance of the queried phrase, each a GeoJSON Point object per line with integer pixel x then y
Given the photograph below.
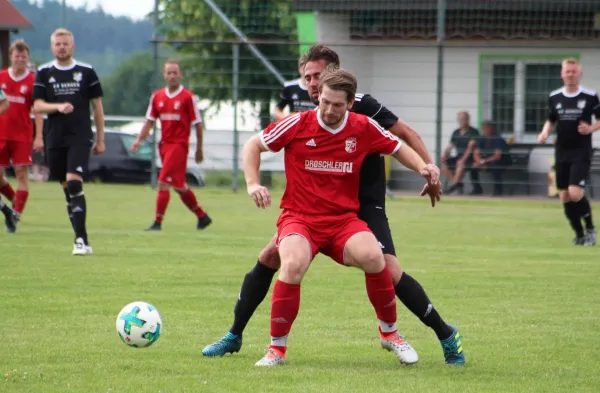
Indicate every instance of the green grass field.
{"type": "Point", "coordinates": [504, 272]}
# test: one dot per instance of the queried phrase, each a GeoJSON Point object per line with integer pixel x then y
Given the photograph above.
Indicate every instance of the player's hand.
{"type": "Point", "coordinates": [38, 145]}
{"type": "Point", "coordinates": [431, 172]}
{"type": "Point", "coordinates": [260, 194]}
{"type": "Point", "coordinates": [65, 108]}
{"type": "Point", "coordinates": [584, 128]}
{"type": "Point", "coordinates": [135, 146]}
{"type": "Point", "coordinates": [434, 191]}
{"type": "Point", "coordinates": [99, 148]}
{"type": "Point", "coordinates": [477, 164]}
{"type": "Point", "coordinates": [542, 136]}
{"type": "Point", "coordinates": [199, 156]}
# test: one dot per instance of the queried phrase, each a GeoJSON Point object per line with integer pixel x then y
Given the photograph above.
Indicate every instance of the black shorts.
{"type": "Point", "coordinates": [452, 162]}
{"type": "Point", "coordinates": [572, 169]}
{"type": "Point", "coordinates": [377, 221]}
{"type": "Point", "coordinates": [65, 160]}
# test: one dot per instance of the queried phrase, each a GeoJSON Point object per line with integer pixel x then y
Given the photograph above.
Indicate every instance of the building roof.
{"type": "Point", "coordinates": [11, 18]}
{"type": "Point", "coordinates": [466, 19]}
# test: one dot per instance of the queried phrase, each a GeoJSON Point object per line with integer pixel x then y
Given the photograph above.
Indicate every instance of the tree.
{"type": "Point", "coordinates": [208, 66]}
{"type": "Point", "coordinates": [128, 89]}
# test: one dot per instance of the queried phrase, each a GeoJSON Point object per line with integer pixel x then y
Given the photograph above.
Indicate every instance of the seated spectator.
{"type": "Point", "coordinates": [463, 140]}
{"type": "Point", "coordinates": [492, 154]}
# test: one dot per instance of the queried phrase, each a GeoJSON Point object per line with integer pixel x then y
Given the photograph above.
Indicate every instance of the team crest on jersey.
{"type": "Point", "coordinates": [351, 145]}
{"type": "Point", "coordinates": [176, 105]}
{"type": "Point", "coordinates": [558, 106]}
{"type": "Point", "coordinates": [160, 104]}
{"type": "Point", "coordinates": [581, 104]}
{"type": "Point", "coordinates": [77, 76]}
{"type": "Point", "coordinates": [24, 89]}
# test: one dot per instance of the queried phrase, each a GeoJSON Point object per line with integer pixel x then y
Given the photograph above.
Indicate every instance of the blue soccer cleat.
{"type": "Point", "coordinates": [453, 349]}
{"type": "Point", "coordinates": [230, 343]}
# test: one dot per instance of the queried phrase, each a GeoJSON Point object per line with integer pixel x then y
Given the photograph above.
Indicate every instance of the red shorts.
{"type": "Point", "coordinates": [174, 165]}
{"type": "Point", "coordinates": [326, 234]}
{"type": "Point", "coordinates": [15, 152]}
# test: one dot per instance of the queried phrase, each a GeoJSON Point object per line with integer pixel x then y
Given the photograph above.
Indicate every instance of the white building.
{"type": "Point", "coordinates": [501, 60]}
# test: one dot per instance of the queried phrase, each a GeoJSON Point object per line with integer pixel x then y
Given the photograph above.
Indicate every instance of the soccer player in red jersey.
{"type": "Point", "coordinates": [177, 110]}
{"type": "Point", "coordinates": [324, 151]}
{"type": "Point", "coordinates": [16, 127]}
{"type": "Point", "coordinates": [10, 217]}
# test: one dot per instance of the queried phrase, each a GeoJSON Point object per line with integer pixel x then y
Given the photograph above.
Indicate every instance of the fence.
{"type": "Point", "coordinates": [424, 60]}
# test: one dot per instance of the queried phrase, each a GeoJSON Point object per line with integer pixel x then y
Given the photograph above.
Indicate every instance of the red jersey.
{"type": "Point", "coordinates": [177, 112]}
{"type": "Point", "coordinates": [322, 165]}
{"type": "Point", "coordinates": [16, 123]}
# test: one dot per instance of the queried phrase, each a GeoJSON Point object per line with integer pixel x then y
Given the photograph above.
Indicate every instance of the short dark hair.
{"type": "Point", "coordinates": [19, 46]}
{"type": "Point", "coordinates": [340, 80]}
{"type": "Point", "coordinates": [321, 52]}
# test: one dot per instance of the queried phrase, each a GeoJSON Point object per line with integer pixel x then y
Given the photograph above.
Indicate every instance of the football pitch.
{"type": "Point", "coordinates": [503, 271]}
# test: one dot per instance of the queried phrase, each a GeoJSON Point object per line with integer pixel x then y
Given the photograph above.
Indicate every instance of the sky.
{"type": "Point", "coordinates": [135, 9]}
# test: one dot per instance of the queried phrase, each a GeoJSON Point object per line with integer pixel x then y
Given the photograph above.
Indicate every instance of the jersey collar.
{"type": "Point", "coordinates": [174, 94]}
{"type": "Point", "coordinates": [19, 78]}
{"type": "Point", "coordinates": [327, 128]}
{"type": "Point", "coordinates": [571, 95]}
{"type": "Point", "coordinates": [64, 68]}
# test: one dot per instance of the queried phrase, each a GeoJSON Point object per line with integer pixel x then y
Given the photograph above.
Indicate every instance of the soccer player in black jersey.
{"type": "Point", "coordinates": [295, 95]}
{"type": "Point", "coordinates": [64, 89]}
{"type": "Point", "coordinates": [372, 210]}
{"type": "Point", "coordinates": [570, 111]}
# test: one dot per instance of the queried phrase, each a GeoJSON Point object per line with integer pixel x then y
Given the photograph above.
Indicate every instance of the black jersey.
{"type": "Point", "coordinates": [566, 111]}
{"type": "Point", "coordinates": [296, 96]}
{"type": "Point", "coordinates": [372, 173]}
{"type": "Point", "coordinates": [76, 84]}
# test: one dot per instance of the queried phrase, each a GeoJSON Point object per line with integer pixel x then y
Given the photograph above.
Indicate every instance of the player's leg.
{"type": "Point", "coordinates": [474, 175]}
{"type": "Point", "coordinates": [362, 250]}
{"type": "Point", "coordinates": [163, 195]}
{"type": "Point", "coordinates": [578, 177]}
{"type": "Point", "coordinates": [21, 158]}
{"type": "Point", "coordinates": [57, 164]}
{"type": "Point", "coordinates": [188, 198]}
{"type": "Point", "coordinates": [451, 174]}
{"type": "Point", "coordinates": [563, 170]}
{"type": "Point", "coordinates": [254, 289]}
{"type": "Point", "coordinates": [448, 167]}
{"type": "Point", "coordinates": [5, 187]}
{"type": "Point", "coordinates": [10, 217]}
{"type": "Point", "coordinates": [296, 253]}
{"type": "Point", "coordinates": [77, 163]}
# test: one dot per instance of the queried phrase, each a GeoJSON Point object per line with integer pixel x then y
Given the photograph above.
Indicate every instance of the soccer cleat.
{"type": "Point", "coordinates": [230, 343]}
{"type": "Point", "coordinates": [154, 227]}
{"type": "Point", "coordinates": [203, 222]}
{"type": "Point", "coordinates": [453, 349]}
{"type": "Point", "coordinates": [578, 241]}
{"type": "Point", "coordinates": [80, 248]}
{"type": "Point", "coordinates": [272, 358]}
{"type": "Point", "coordinates": [394, 342]}
{"type": "Point", "coordinates": [11, 219]}
{"type": "Point", "coordinates": [590, 237]}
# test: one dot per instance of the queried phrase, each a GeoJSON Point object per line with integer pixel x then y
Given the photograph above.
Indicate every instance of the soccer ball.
{"type": "Point", "coordinates": [139, 324]}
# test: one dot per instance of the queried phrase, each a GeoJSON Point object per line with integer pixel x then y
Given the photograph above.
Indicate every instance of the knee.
{"type": "Point", "coordinates": [75, 187]}
{"type": "Point", "coordinates": [22, 175]}
{"type": "Point", "coordinates": [371, 260]}
{"type": "Point", "coordinates": [575, 193]}
{"type": "Point", "coordinates": [393, 265]}
{"type": "Point", "coordinates": [292, 270]}
{"type": "Point", "coordinates": [564, 196]}
{"type": "Point", "coordinates": [269, 257]}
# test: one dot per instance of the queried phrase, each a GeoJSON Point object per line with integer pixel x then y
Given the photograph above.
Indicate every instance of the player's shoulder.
{"type": "Point", "coordinates": [557, 92]}
{"type": "Point", "coordinates": [295, 82]}
{"type": "Point", "coordinates": [84, 66]}
{"type": "Point", "coordinates": [588, 92]}
{"type": "Point", "coordinates": [4, 72]}
{"type": "Point", "coordinates": [46, 66]}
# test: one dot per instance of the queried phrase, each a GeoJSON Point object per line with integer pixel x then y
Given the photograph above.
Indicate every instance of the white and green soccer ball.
{"type": "Point", "coordinates": [139, 324]}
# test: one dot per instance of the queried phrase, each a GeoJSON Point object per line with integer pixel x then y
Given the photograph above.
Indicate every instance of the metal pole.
{"type": "Point", "coordinates": [441, 32]}
{"type": "Point", "coordinates": [156, 85]}
{"type": "Point", "coordinates": [244, 39]}
{"type": "Point", "coordinates": [236, 137]}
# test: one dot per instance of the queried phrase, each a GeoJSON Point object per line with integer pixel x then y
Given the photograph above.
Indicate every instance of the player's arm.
{"type": "Point", "coordinates": [38, 142]}
{"type": "Point", "coordinates": [550, 122]}
{"type": "Point", "coordinates": [4, 103]}
{"type": "Point", "coordinates": [412, 139]}
{"type": "Point", "coordinates": [251, 164]}
{"type": "Point", "coordinates": [477, 155]}
{"type": "Point", "coordinates": [98, 113]}
{"type": "Point", "coordinates": [585, 128]}
{"type": "Point", "coordinates": [470, 148]}
{"type": "Point", "coordinates": [283, 102]}
{"type": "Point", "coordinates": [194, 113]}
{"type": "Point", "coordinates": [151, 115]}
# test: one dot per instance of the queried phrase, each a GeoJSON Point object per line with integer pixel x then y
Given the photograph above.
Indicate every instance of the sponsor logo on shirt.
{"type": "Point", "coordinates": [328, 166]}
{"type": "Point", "coordinates": [170, 116]}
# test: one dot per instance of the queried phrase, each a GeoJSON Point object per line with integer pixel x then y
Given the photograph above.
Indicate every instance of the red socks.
{"type": "Point", "coordinates": [380, 290]}
{"type": "Point", "coordinates": [189, 199]}
{"type": "Point", "coordinates": [285, 304]}
{"type": "Point", "coordinates": [162, 201]}
{"type": "Point", "coordinates": [21, 200]}
{"type": "Point", "coordinates": [8, 192]}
